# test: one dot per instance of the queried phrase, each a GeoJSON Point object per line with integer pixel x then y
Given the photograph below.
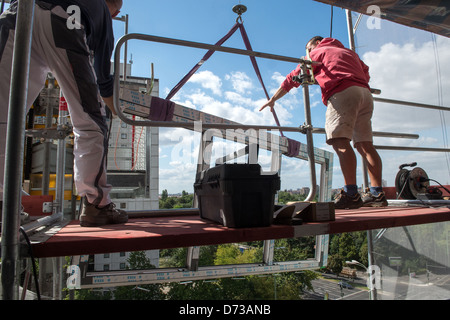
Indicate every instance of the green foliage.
{"type": "Point", "coordinates": [294, 249]}
{"type": "Point", "coordinates": [173, 202]}
{"type": "Point", "coordinates": [172, 258]}
{"type": "Point", "coordinates": [231, 254]}
{"type": "Point", "coordinates": [285, 197]}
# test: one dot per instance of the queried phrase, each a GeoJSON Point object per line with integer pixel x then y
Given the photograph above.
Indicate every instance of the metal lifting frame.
{"type": "Point", "coordinates": [192, 125]}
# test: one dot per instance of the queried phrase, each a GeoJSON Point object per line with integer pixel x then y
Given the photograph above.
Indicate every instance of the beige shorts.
{"type": "Point", "coordinates": [349, 115]}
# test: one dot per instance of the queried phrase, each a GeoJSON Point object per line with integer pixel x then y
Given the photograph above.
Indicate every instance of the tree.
{"type": "Point", "coordinates": [335, 263]}
{"type": "Point", "coordinates": [347, 248]}
{"type": "Point", "coordinates": [185, 201]}
{"type": "Point", "coordinates": [168, 203]}
{"type": "Point", "coordinates": [364, 254]}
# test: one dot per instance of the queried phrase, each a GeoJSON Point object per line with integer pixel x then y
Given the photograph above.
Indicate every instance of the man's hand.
{"type": "Point", "coordinates": [270, 104]}
{"type": "Point", "coordinates": [109, 101]}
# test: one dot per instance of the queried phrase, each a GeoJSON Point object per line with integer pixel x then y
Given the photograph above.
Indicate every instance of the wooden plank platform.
{"type": "Point", "coordinates": [176, 231]}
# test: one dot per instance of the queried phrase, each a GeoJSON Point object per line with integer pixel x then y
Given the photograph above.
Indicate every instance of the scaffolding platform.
{"type": "Point", "coordinates": [178, 230]}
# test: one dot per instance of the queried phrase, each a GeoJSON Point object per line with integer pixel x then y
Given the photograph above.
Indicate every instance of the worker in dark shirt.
{"type": "Point", "coordinates": [72, 39]}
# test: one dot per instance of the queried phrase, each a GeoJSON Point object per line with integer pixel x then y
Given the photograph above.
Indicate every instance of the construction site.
{"type": "Point", "coordinates": [236, 190]}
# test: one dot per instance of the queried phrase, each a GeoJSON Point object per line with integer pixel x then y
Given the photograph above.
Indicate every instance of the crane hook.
{"type": "Point", "coordinates": [239, 9]}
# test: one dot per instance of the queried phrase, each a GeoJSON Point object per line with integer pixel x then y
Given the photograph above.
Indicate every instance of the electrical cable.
{"type": "Point", "coordinates": [33, 262]}
{"type": "Point", "coordinates": [439, 184]}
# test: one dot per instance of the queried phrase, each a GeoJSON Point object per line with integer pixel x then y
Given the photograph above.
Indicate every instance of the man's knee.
{"type": "Point", "coordinates": [340, 144]}
{"type": "Point", "coordinates": [365, 147]}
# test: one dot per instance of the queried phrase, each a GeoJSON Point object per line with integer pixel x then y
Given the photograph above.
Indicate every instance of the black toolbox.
{"type": "Point", "coordinates": [237, 195]}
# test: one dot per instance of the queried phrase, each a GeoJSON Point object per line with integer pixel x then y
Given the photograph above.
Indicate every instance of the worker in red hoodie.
{"type": "Point", "coordinates": [344, 79]}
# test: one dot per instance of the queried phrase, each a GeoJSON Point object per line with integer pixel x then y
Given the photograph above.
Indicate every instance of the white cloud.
{"type": "Point", "coordinates": [408, 72]}
{"type": "Point", "coordinates": [208, 80]}
{"type": "Point", "coordinates": [240, 82]}
{"type": "Point", "coordinates": [236, 105]}
{"type": "Point", "coordinates": [237, 98]}
{"type": "Point", "coordinates": [180, 176]}
{"type": "Point", "coordinates": [278, 77]}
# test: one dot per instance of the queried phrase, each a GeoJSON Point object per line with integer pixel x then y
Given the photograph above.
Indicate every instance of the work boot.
{"type": "Point", "coordinates": [93, 216]}
{"type": "Point", "coordinates": [370, 200]}
{"type": "Point", "coordinates": [345, 201]}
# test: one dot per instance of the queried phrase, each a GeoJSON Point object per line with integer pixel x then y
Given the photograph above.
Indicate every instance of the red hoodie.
{"type": "Point", "coordinates": [341, 68]}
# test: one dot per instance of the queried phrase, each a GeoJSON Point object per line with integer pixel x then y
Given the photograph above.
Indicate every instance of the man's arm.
{"type": "Point", "coordinates": [271, 102]}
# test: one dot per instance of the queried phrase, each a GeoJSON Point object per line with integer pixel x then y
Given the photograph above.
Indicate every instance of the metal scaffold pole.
{"type": "Point", "coordinates": [310, 144]}
{"type": "Point", "coordinates": [14, 150]}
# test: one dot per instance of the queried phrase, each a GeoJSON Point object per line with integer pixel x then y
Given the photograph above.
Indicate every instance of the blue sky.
{"type": "Point", "coordinates": [402, 62]}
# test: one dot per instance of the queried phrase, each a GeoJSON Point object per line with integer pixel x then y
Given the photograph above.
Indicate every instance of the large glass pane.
{"type": "Point", "coordinates": [413, 262]}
